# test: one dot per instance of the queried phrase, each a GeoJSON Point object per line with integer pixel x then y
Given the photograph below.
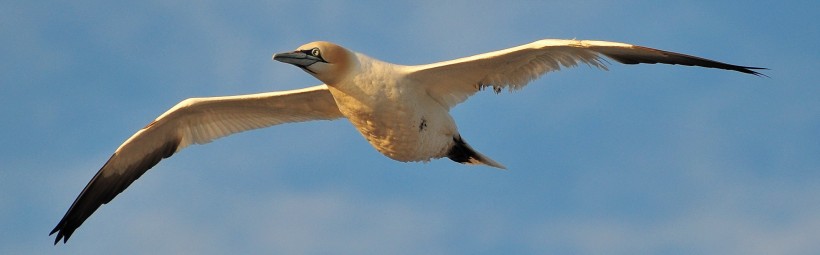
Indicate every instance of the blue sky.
{"type": "Point", "coordinates": [638, 160]}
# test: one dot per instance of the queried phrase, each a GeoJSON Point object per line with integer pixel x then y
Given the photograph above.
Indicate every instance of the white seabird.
{"type": "Point", "coordinates": [403, 111]}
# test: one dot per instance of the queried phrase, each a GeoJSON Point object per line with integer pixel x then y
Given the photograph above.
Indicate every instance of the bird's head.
{"type": "Point", "coordinates": [326, 61]}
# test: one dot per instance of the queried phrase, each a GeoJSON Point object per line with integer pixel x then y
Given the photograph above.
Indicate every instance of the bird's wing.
{"type": "Point", "coordinates": [193, 121]}
{"type": "Point", "coordinates": [451, 82]}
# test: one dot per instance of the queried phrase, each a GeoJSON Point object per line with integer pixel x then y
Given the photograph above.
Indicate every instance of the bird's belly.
{"type": "Point", "coordinates": [402, 130]}
{"type": "Point", "coordinates": [405, 136]}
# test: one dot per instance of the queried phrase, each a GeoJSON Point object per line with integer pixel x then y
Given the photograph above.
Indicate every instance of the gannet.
{"type": "Point", "coordinates": [403, 111]}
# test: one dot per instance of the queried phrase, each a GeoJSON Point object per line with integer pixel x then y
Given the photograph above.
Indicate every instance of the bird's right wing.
{"type": "Point", "coordinates": [193, 121]}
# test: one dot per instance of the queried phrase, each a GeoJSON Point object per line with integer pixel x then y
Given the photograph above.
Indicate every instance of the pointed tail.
{"type": "Point", "coordinates": [461, 152]}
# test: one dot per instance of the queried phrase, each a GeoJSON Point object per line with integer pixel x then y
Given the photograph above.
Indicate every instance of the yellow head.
{"type": "Point", "coordinates": [328, 62]}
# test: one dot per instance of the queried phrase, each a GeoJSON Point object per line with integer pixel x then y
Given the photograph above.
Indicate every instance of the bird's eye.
{"type": "Point", "coordinates": [315, 52]}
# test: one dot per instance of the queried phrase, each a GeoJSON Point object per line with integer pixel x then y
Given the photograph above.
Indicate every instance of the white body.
{"type": "Point", "coordinates": [394, 114]}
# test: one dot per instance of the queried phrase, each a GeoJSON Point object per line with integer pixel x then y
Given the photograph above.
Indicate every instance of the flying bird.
{"type": "Point", "coordinates": [401, 110]}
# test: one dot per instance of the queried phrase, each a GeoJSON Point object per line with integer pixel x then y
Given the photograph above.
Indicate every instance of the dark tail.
{"type": "Point", "coordinates": [461, 152]}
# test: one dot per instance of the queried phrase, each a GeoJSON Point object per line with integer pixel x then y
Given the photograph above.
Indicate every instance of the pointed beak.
{"type": "Point", "coordinates": [296, 58]}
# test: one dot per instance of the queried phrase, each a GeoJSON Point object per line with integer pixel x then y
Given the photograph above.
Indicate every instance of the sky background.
{"type": "Point", "coordinates": [639, 160]}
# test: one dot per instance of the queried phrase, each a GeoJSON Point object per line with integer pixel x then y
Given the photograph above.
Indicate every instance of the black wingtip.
{"type": "Point", "coordinates": [751, 70]}
{"type": "Point", "coordinates": [61, 234]}
{"type": "Point", "coordinates": [645, 55]}
{"type": "Point", "coordinates": [57, 240]}
{"type": "Point", "coordinates": [101, 190]}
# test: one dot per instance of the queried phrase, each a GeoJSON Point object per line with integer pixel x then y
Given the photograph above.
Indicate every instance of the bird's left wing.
{"type": "Point", "coordinates": [192, 121]}
{"type": "Point", "coordinates": [451, 82]}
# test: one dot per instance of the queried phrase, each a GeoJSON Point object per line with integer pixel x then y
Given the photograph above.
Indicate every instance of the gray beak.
{"type": "Point", "coordinates": [296, 58]}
